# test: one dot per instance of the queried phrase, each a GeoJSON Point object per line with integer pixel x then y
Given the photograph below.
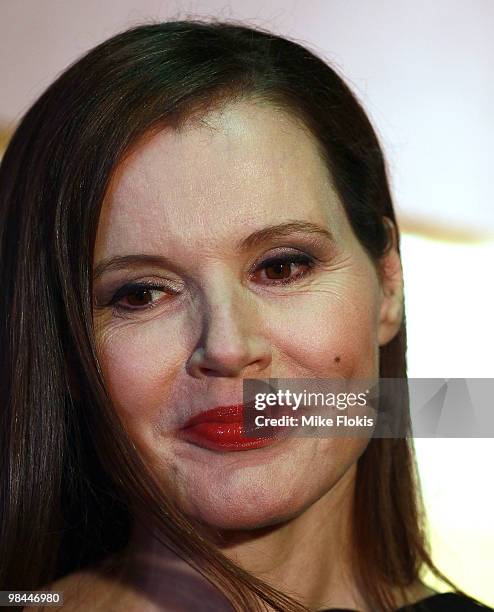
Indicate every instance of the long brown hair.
{"type": "Point", "coordinates": [69, 474]}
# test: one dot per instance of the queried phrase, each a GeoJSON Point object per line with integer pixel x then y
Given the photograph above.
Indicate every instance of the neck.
{"type": "Point", "coordinates": [309, 556]}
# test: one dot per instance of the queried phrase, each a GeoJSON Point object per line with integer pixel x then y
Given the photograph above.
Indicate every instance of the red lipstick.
{"type": "Point", "coordinates": [221, 428]}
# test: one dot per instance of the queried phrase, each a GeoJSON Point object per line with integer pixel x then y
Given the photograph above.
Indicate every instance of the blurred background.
{"type": "Point", "coordinates": [423, 71]}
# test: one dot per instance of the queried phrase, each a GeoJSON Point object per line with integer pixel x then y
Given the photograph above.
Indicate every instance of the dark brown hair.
{"type": "Point", "coordinates": [68, 472]}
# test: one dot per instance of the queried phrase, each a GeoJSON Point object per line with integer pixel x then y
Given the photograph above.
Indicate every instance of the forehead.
{"type": "Point", "coordinates": [237, 169]}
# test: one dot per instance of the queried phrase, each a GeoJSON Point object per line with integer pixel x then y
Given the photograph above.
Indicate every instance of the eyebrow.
{"type": "Point", "coordinates": [120, 262]}
{"type": "Point", "coordinates": [283, 229]}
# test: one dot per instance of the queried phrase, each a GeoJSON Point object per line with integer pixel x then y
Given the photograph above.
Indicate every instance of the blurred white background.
{"type": "Point", "coordinates": [423, 71]}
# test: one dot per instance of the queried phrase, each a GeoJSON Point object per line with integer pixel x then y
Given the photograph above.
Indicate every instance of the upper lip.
{"type": "Point", "coordinates": [233, 413]}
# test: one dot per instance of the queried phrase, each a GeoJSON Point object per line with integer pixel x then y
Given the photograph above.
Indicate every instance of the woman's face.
{"type": "Point", "coordinates": [199, 215]}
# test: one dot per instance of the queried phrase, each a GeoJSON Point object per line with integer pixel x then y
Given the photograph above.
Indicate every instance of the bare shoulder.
{"type": "Point", "coordinates": [91, 589]}
{"type": "Point", "coordinates": [97, 588]}
{"type": "Point", "coordinates": [108, 587]}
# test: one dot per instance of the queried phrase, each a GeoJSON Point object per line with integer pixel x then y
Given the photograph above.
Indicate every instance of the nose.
{"type": "Point", "coordinates": [231, 343]}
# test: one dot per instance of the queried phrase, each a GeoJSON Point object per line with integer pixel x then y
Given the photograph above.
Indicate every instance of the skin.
{"type": "Point", "coordinates": [191, 196]}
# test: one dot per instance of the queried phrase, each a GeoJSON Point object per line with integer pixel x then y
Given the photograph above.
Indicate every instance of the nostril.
{"type": "Point", "coordinates": [229, 360]}
{"type": "Point", "coordinates": [212, 372]}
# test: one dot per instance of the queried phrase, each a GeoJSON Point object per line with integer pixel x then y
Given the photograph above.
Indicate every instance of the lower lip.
{"type": "Point", "coordinates": [223, 436]}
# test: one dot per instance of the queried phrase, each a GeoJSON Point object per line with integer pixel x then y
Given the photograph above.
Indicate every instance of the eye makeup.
{"type": "Point", "coordinates": [280, 266]}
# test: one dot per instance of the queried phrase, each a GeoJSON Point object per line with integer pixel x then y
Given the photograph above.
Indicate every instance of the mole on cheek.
{"type": "Point", "coordinates": [337, 359]}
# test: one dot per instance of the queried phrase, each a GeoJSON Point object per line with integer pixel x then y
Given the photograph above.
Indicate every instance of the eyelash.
{"type": "Point", "coordinates": [290, 259]}
{"type": "Point", "coordinates": [294, 258]}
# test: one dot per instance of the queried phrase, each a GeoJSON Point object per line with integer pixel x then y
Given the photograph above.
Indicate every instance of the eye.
{"type": "Point", "coordinates": [140, 296]}
{"type": "Point", "coordinates": [283, 269]}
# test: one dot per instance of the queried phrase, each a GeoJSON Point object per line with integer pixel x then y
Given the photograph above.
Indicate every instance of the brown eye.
{"type": "Point", "coordinates": [284, 270]}
{"type": "Point", "coordinates": [139, 298]}
{"type": "Point", "coordinates": [279, 270]}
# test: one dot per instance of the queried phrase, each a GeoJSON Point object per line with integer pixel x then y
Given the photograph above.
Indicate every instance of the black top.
{"type": "Point", "coordinates": [440, 602]}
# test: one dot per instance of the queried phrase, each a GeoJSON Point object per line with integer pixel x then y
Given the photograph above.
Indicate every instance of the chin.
{"type": "Point", "coordinates": [254, 505]}
{"type": "Point", "coordinates": [244, 491]}
{"type": "Point", "coordinates": [242, 520]}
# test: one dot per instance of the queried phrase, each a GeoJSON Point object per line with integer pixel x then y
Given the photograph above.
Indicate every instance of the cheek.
{"type": "Point", "coordinates": [332, 333]}
{"type": "Point", "coordinates": [139, 363]}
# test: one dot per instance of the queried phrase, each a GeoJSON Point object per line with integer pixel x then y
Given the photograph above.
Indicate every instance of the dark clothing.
{"type": "Point", "coordinates": [441, 602]}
